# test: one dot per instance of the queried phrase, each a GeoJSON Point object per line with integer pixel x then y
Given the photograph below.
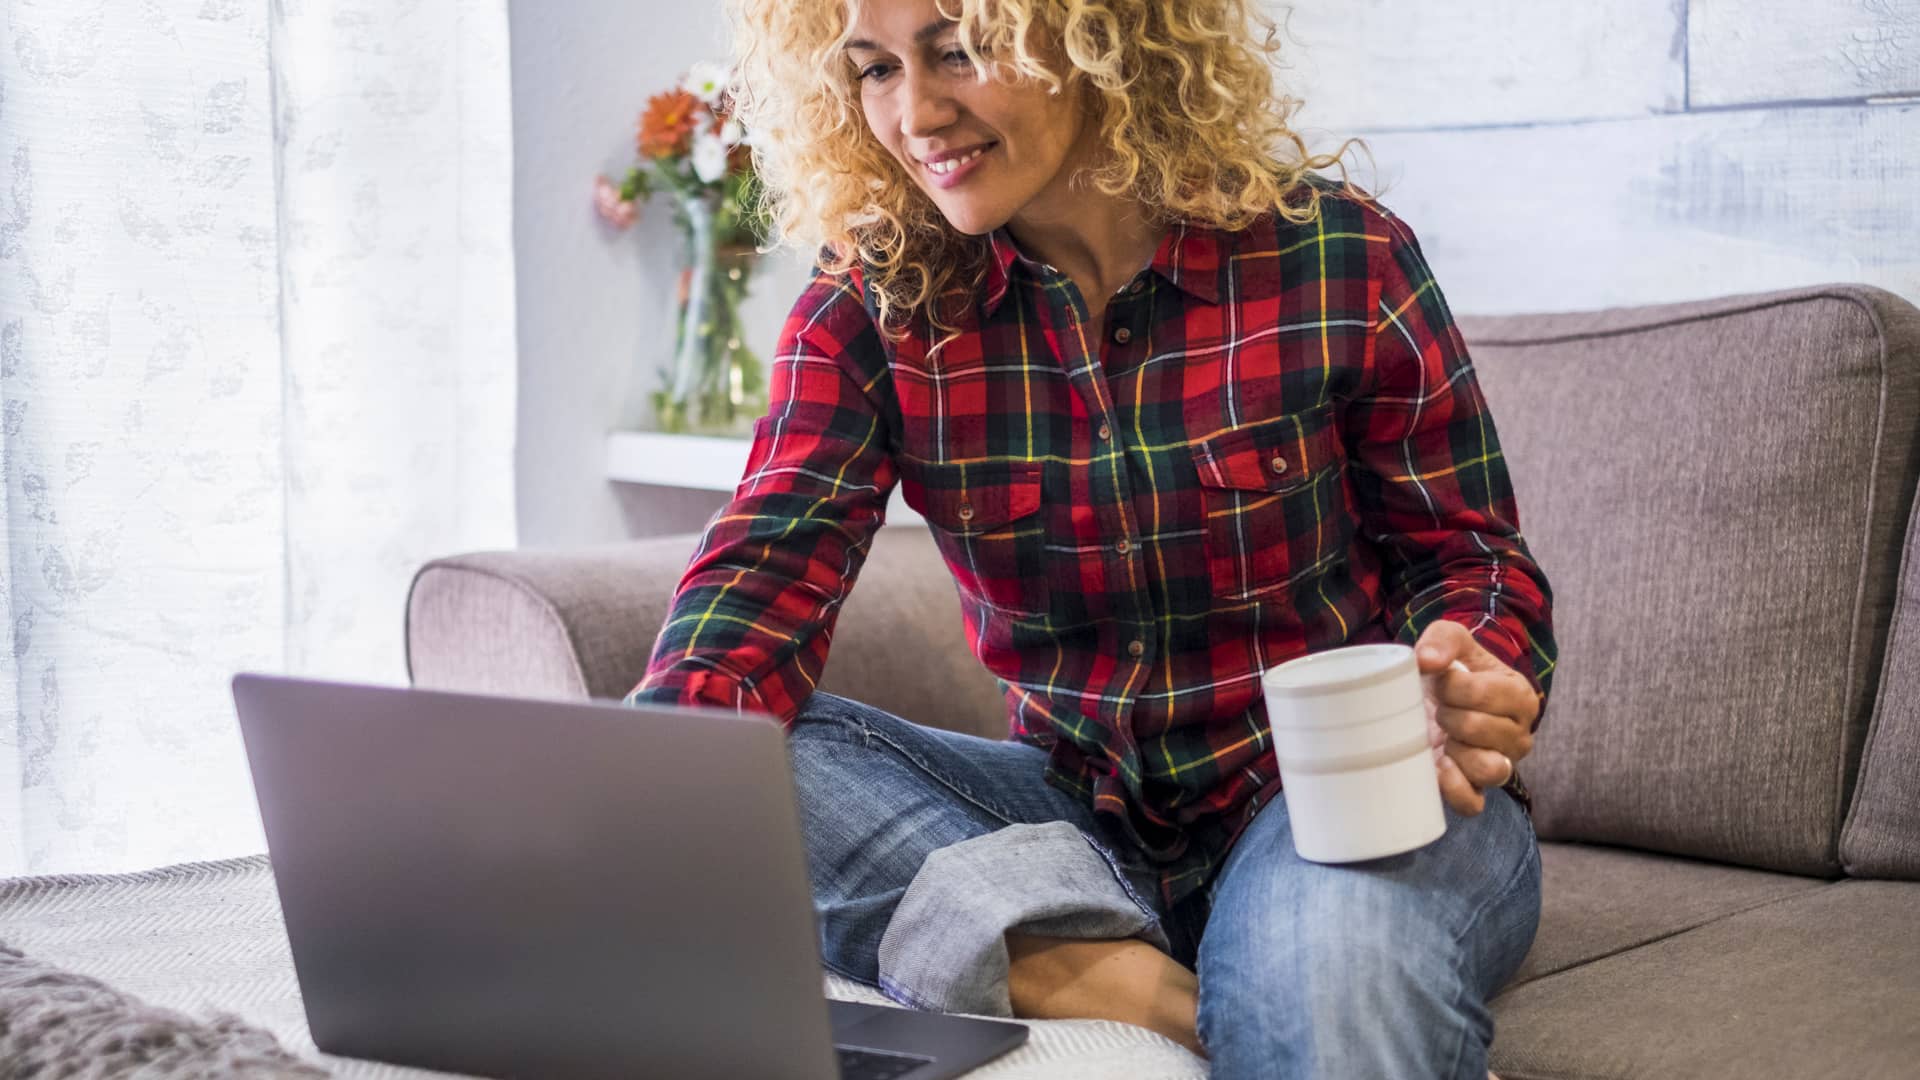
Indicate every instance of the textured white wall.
{"type": "Point", "coordinates": [1551, 155]}
{"type": "Point", "coordinates": [1562, 156]}
{"type": "Point", "coordinates": [595, 310]}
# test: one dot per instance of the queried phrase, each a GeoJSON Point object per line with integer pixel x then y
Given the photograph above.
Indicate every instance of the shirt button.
{"type": "Point", "coordinates": [1122, 336]}
{"type": "Point", "coordinates": [1105, 433]}
{"type": "Point", "coordinates": [1136, 648]}
{"type": "Point", "coordinates": [966, 511]}
{"type": "Point", "coordinates": [1137, 287]}
{"type": "Point", "coordinates": [1279, 464]}
{"type": "Point", "coordinates": [1123, 547]}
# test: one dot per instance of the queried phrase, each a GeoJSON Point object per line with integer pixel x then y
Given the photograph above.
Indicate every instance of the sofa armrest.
{"type": "Point", "coordinates": [580, 622]}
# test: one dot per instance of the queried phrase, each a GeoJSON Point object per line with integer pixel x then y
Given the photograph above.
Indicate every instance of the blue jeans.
{"type": "Point", "coordinates": [925, 847]}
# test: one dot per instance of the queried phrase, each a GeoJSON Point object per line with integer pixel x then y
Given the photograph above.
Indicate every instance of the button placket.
{"type": "Point", "coordinates": [1088, 376]}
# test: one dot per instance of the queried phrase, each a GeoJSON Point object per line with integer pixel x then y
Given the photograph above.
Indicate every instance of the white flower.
{"type": "Point", "coordinates": [732, 133]}
{"type": "Point", "coordinates": [709, 155]}
{"type": "Point", "coordinates": [706, 80]}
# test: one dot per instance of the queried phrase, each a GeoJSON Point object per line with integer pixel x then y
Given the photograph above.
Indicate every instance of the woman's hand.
{"type": "Point", "coordinates": [1480, 714]}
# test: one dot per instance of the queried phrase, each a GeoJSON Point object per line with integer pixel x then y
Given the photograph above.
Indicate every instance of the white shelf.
{"type": "Point", "coordinates": [700, 462]}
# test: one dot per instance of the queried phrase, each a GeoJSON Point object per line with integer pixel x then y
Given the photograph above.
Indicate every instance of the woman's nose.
{"type": "Point", "coordinates": [928, 106]}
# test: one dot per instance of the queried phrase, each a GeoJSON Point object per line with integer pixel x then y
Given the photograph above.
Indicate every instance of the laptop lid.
{"type": "Point", "coordinates": [648, 862]}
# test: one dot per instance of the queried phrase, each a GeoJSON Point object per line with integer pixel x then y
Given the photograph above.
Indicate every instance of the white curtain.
{"type": "Point", "coordinates": [256, 363]}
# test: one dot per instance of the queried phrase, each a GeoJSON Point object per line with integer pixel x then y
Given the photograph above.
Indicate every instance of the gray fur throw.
{"type": "Point", "coordinates": [55, 1023]}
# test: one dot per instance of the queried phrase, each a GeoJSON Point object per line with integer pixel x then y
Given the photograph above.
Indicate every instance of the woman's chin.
{"type": "Point", "coordinates": [970, 223]}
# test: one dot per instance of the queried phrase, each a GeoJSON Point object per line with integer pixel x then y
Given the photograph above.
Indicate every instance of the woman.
{"type": "Point", "coordinates": [1177, 411]}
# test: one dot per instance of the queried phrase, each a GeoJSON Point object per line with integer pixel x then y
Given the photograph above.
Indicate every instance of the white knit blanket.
{"type": "Point", "coordinates": [207, 937]}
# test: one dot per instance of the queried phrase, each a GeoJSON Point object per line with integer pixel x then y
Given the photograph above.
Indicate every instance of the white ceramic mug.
{"type": "Point", "coordinates": [1350, 731]}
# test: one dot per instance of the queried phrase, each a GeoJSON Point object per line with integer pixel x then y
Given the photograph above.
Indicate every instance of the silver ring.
{"type": "Point", "coordinates": [1509, 776]}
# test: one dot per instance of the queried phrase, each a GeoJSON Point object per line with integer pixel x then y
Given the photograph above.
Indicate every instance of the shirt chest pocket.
{"type": "Point", "coordinates": [1273, 499]}
{"type": "Point", "coordinates": [986, 518]}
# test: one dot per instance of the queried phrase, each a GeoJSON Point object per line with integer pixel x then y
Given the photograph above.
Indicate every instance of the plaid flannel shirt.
{"type": "Point", "coordinates": [1272, 444]}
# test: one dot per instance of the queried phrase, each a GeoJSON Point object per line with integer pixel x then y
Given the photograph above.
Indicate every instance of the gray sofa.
{"type": "Point", "coordinates": [1728, 784]}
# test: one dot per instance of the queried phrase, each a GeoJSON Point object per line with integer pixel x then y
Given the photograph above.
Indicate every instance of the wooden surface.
{"type": "Point", "coordinates": [1578, 216]}
{"type": "Point", "coordinates": [1375, 64]}
{"type": "Point", "coordinates": [1565, 156]}
{"type": "Point", "coordinates": [1746, 51]}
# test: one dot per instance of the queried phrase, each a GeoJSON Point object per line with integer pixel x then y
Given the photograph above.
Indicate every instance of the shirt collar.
{"type": "Point", "coordinates": [1190, 257]}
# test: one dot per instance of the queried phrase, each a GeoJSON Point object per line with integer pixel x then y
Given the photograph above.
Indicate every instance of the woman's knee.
{"type": "Point", "coordinates": [1325, 1000]}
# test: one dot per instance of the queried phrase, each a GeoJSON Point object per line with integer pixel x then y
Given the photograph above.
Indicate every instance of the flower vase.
{"type": "Point", "coordinates": [714, 385]}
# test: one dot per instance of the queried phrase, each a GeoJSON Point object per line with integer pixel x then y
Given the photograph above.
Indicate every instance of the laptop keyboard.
{"type": "Point", "coordinates": [857, 1064]}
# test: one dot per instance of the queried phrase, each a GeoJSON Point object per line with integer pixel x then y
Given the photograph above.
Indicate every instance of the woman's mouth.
{"type": "Point", "coordinates": [952, 171]}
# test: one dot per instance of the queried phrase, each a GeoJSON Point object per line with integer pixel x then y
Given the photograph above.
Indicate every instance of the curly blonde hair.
{"type": "Point", "coordinates": [1192, 125]}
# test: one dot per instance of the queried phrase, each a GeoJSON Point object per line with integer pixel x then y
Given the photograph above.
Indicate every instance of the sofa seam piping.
{"type": "Point", "coordinates": [1676, 933]}
{"type": "Point", "coordinates": [1842, 799]}
{"type": "Point", "coordinates": [1843, 293]}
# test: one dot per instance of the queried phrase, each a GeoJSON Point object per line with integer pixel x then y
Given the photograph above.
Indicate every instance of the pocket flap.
{"type": "Point", "coordinates": [971, 497]}
{"type": "Point", "coordinates": [1273, 455]}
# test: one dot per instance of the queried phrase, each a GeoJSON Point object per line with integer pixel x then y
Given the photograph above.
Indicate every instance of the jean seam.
{"type": "Point", "coordinates": [1200, 1024]}
{"type": "Point", "coordinates": [1506, 887]}
{"type": "Point", "coordinates": [1533, 856]}
{"type": "Point", "coordinates": [945, 781]}
{"type": "Point", "coordinates": [902, 995]}
{"type": "Point", "coordinates": [1120, 878]}
{"type": "Point", "coordinates": [847, 975]}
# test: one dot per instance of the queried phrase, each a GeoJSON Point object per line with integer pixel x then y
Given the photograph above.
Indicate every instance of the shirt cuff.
{"type": "Point", "coordinates": [1497, 640]}
{"type": "Point", "coordinates": [696, 686]}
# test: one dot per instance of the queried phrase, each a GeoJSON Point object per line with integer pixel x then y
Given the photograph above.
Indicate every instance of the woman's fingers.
{"type": "Point", "coordinates": [1470, 727]}
{"type": "Point", "coordinates": [1501, 692]}
{"type": "Point", "coordinates": [1482, 767]}
{"type": "Point", "coordinates": [1459, 793]}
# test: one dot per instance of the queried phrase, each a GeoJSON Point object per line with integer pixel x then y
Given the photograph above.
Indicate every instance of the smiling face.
{"type": "Point", "coordinates": [985, 151]}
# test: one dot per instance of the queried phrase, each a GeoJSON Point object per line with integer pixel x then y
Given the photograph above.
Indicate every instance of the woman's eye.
{"type": "Point", "coordinates": [879, 71]}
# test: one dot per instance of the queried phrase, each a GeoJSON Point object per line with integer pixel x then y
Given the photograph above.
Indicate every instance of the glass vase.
{"type": "Point", "coordinates": [714, 384]}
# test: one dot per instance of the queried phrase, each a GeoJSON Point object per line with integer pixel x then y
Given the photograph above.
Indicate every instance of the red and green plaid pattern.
{"type": "Point", "coordinates": [1272, 444]}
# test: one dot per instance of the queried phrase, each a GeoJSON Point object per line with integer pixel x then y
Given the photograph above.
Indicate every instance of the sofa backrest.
{"type": "Point", "coordinates": [1882, 835]}
{"type": "Point", "coordinates": [901, 643]}
{"type": "Point", "coordinates": [581, 621]}
{"type": "Point", "coordinates": [1717, 492]}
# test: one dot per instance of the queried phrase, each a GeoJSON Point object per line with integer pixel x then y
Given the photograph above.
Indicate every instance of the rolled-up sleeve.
{"type": "Point", "coordinates": [752, 617]}
{"type": "Point", "coordinates": [1432, 484]}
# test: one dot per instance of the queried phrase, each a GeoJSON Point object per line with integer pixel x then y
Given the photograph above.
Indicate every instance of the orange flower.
{"type": "Point", "coordinates": [666, 127]}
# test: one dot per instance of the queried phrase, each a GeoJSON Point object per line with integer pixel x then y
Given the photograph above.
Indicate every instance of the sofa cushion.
{"type": "Point", "coordinates": [1597, 901]}
{"type": "Point", "coordinates": [1822, 983]}
{"type": "Point", "coordinates": [1717, 492]}
{"type": "Point", "coordinates": [580, 621]}
{"type": "Point", "coordinates": [1882, 837]}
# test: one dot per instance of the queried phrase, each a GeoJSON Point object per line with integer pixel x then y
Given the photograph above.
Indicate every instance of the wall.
{"type": "Point", "coordinates": [1561, 156]}
{"type": "Point", "coordinates": [1551, 156]}
{"type": "Point", "coordinates": [595, 312]}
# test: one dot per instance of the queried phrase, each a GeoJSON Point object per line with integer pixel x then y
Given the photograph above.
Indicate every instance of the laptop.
{"type": "Point", "coordinates": [517, 887]}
